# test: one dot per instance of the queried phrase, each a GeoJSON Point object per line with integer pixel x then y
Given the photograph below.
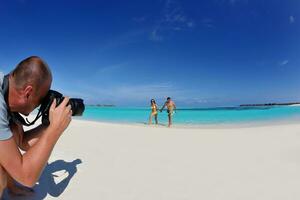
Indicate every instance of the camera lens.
{"type": "Point", "coordinates": [77, 106]}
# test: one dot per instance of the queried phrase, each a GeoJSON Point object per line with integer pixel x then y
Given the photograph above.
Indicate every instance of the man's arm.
{"type": "Point", "coordinates": [27, 168]}
{"type": "Point", "coordinates": [163, 107]}
{"type": "Point", "coordinates": [174, 106]}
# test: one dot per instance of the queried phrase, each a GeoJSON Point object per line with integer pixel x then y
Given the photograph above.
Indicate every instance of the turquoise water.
{"type": "Point", "coordinates": [195, 116]}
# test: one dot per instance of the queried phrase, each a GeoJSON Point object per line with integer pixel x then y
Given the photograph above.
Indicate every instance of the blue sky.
{"type": "Point", "coordinates": [201, 53]}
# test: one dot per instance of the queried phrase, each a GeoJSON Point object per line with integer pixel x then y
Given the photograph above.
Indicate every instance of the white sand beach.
{"type": "Point", "coordinates": [105, 161]}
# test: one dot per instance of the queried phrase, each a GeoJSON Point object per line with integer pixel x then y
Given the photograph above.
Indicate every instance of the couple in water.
{"type": "Point", "coordinates": [171, 107]}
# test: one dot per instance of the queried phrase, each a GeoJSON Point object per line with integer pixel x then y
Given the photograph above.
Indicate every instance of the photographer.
{"type": "Point", "coordinates": [28, 84]}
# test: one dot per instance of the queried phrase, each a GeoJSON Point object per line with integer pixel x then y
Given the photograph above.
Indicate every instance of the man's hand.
{"type": "Point", "coordinates": [60, 116]}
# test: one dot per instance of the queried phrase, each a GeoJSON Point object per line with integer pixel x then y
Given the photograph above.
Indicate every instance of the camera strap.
{"type": "Point", "coordinates": [5, 88]}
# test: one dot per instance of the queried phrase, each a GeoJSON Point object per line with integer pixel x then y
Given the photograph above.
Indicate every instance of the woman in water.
{"type": "Point", "coordinates": [154, 109]}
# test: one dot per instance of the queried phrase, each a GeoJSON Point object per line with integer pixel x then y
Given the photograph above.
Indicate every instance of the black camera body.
{"type": "Point", "coordinates": [77, 105]}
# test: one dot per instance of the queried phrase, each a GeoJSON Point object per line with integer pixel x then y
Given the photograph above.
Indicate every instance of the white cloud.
{"type": "Point", "coordinates": [139, 19]}
{"type": "Point", "coordinates": [154, 36]}
{"type": "Point", "coordinates": [292, 19]}
{"type": "Point", "coordinates": [190, 24]}
{"type": "Point", "coordinates": [138, 94]}
{"type": "Point", "coordinates": [173, 19]}
{"type": "Point", "coordinates": [144, 91]}
{"type": "Point", "coordinates": [127, 93]}
{"type": "Point", "coordinates": [208, 22]}
{"type": "Point", "coordinates": [121, 40]}
{"type": "Point", "coordinates": [285, 62]}
{"type": "Point", "coordinates": [110, 68]}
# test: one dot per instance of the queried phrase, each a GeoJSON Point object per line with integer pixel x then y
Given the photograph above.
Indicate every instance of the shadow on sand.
{"type": "Point", "coordinates": [58, 170]}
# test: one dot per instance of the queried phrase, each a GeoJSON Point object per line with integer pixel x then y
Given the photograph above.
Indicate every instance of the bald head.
{"type": "Point", "coordinates": [34, 71]}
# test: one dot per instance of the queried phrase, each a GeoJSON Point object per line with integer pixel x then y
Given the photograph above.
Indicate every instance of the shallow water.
{"type": "Point", "coordinates": [195, 116]}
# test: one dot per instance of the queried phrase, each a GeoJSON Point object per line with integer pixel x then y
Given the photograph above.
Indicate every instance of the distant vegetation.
{"type": "Point", "coordinates": [103, 105]}
{"type": "Point", "coordinates": [271, 104]}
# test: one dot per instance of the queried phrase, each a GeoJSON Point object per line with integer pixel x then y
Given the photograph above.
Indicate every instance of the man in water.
{"type": "Point", "coordinates": [22, 91]}
{"type": "Point", "coordinates": [171, 107]}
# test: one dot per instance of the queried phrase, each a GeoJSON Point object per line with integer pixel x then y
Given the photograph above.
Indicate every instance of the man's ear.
{"type": "Point", "coordinates": [28, 91]}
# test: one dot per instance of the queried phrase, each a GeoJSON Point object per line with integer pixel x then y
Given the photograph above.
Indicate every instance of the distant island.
{"type": "Point", "coordinates": [270, 104]}
{"type": "Point", "coordinates": [103, 105]}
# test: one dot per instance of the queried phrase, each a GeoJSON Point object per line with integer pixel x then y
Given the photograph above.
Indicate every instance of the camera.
{"type": "Point", "coordinates": [77, 105]}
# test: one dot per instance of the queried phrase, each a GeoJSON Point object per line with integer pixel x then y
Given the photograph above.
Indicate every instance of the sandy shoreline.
{"type": "Point", "coordinates": [233, 125]}
{"type": "Point", "coordinates": [119, 161]}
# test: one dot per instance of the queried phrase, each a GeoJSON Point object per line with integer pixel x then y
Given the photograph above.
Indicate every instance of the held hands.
{"type": "Point", "coordinates": [60, 116]}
